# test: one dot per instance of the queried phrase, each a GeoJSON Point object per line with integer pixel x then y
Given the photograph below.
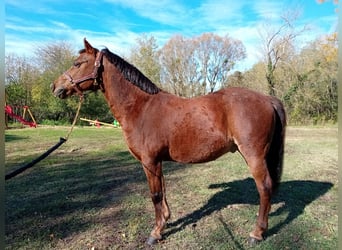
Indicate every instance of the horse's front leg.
{"type": "Point", "coordinates": [156, 183]}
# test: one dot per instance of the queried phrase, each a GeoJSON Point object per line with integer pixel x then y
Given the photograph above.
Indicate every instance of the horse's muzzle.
{"type": "Point", "coordinates": [59, 92]}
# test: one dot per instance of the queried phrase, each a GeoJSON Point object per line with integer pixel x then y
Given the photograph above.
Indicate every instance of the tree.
{"type": "Point", "coordinates": [313, 94]}
{"type": "Point", "coordinates": [145, 57]}
{"type": "Point", "coordinates": [20, 77]}
{"type": "Point", "coordinates": [52, 60]}
{"type": "Point", "coordinates": [178, 69]}
{"type": "Point", "coordinates": [329, 47]}
{"type": "Point", "coordinates": [277, 44]}
{"type": "Point", "coordinates": [196, 66]}
{"type": "Point", "coordinates": [216, 57]}
{"type": "Point", "coordinates": [54, 57]}
{"type": "Point", "coordinates": [253, 78]}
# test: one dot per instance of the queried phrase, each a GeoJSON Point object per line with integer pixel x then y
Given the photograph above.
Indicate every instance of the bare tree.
{"type": "Point", "coordinates": [216, 57]}
{"type": "Point", "coordinates": [178, 69]}
{"type": "Point", "coordinates": [54, 57]}
{"type": "Point", "coordinates": [199, 65]}
{"type": "Point", "coordinates": [277, 43]}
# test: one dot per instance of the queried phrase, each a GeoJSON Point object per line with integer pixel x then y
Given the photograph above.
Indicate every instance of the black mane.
{"type": "Point", "coordinates": [131, 73]}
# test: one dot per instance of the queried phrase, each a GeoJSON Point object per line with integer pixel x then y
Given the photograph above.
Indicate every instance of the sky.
{"type": "Point", "coordinates": [117, 24]}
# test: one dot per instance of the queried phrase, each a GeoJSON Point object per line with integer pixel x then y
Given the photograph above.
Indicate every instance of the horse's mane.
{"type": "Point", "coordinates": [131, 73]}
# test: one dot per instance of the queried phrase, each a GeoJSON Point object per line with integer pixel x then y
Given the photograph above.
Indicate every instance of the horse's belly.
{"type": "Point", "coordinates": [197, 151]}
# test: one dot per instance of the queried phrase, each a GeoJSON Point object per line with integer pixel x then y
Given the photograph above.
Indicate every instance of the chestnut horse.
{"type": "Point", "coordinates": [159, 126]}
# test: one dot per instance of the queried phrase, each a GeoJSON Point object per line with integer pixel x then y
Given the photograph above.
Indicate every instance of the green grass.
{"type": "Point", "coordinates": [91, 193]}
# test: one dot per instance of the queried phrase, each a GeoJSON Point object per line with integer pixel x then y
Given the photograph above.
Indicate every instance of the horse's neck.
{"type": "Point", "coordinates": [124, 99]}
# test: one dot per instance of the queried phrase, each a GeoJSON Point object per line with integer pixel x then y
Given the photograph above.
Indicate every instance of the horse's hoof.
{"type": "Point", "coordinates": [151, 241]}
{"type": "Point", "coordinates": [253, 241]}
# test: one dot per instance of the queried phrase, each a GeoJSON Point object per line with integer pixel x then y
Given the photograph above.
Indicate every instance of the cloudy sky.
{"type": "Point", "coordinates": [117, 24]}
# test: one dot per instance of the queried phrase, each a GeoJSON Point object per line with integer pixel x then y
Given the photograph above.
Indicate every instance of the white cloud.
{"type": "Point", "coordinates": [221, 11]}
{"type": "Point", "coordinates": [162, 11]}
{"type": "Point", "coordinates": [268, 10]}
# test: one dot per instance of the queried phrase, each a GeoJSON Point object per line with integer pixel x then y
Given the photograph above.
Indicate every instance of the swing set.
{"type": "Point", "coordinates": [11, 112]}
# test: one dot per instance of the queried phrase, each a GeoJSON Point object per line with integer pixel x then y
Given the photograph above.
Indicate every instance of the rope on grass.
{"type": "Point", "coordinates": [49, 151]}
{"type": "Point", "coordinates": [32, 163]}
{"type": "Point", "coordinates": [75, 119]}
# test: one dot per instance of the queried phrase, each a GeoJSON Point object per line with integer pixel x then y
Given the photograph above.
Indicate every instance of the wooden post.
{"type": "Point", "coordinates": [28, 109]}
{"type": "Point", "coordinates": [103, 123]}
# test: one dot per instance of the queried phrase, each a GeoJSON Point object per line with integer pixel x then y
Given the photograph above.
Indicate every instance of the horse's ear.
{"type": "Point", "coordinates": [88, 47]}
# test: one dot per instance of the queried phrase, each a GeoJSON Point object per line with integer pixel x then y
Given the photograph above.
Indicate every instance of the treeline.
{"type": "Point", "coordinates": [305, 80]}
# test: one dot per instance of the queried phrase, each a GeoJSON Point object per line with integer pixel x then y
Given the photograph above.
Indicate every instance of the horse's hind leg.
{"type": "Point", "coordinates": [166, 209]}
{"type": "Point", "coordinates": [157, 187]}
{"type": "Point", "coordinates": [263, 183]}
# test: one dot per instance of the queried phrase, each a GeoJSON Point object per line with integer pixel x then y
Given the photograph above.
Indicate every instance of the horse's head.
{"type": "Point", "coordinates": [82, 76]}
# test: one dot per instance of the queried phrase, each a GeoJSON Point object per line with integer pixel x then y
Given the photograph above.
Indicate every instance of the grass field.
{"type": "Point", "coordinates": [91, 194]}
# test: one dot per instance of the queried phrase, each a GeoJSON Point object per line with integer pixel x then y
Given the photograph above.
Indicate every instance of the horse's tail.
{"type": "Point", "coordinates": [274, 157]}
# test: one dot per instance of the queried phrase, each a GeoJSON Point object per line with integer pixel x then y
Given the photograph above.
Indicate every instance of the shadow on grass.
{"type": "Point", "coordinates": [294, 195]}
{"type": "Point", "coordinates": [9, 138]}
{"type": "Point", "coordinates": [50, 199]}
{"type": "Point", "coordinates": [65, 195]}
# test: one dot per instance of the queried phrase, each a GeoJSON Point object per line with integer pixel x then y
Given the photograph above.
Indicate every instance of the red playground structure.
{"type": "Point", "coordinates": [21, 119]}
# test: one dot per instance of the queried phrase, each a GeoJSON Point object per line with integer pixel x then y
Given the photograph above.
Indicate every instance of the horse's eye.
{"type": "Point", "coordinates": [77, 64]}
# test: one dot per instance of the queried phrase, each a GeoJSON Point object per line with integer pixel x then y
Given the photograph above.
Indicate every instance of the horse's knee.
{"type": "Point", "coordinates": [157, 197]}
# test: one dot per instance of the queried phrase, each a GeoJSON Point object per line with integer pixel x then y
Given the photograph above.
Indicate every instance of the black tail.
{"type": "Point", "coordinates": [275, 154]}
